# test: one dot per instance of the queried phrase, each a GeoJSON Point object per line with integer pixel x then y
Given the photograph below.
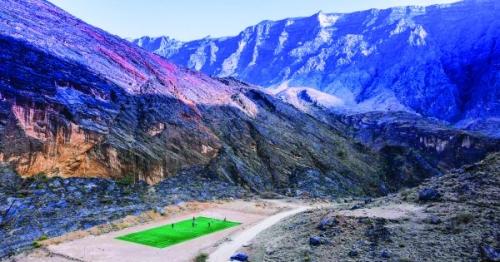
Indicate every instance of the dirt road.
{"type": "Point", "coordinates": [227, 249]}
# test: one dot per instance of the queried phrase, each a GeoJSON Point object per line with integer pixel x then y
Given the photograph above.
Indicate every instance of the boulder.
{"type": "Point", "coordinates": [239, 257]}
{"type": "Point", "coordinates": [315, 241]}
{"type": "Point", "coordinates": [160, 210]}
{"type": "Point", "coordinates": [326, 223]}
{"type": "Point", "coordinates": [357, 206]}
{"type": "Point", "coordinates": [378, 232]}
{"type": "Point", "coordinates": [490, 253]}
{"type": "Point", "coordinates": [435, 220]}
{"type": "Point", "coordinates": [353, 253]}
{"type": "Point", "coordinates": [428, 194]}
{"type": "Point", "coordinates": [55, 183]}
{"type": "Point", "coordinates": [385, 254]}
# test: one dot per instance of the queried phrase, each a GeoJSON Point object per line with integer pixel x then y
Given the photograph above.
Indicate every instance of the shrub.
{"type": "Point", "coordinates": [42, 177]}
{"type": "Point", "coordinates": [341, 154]}
{"type": "Point", "coordinates": [201, 257]}
{"type": "Point", "coordinates": [106, 201]}
{"type": "Point", "coordinates": [43, 237]}
{"type": "Point", "coordinates": [456, 224]}
{"type": "Point", "coordinates": [126, 180]}
{"type": "Point", "coordinates": [463, 218]}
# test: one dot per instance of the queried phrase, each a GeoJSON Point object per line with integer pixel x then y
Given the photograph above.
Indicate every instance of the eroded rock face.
{"type": "Point", "coordinates": [78, 102]}
{"type": "Point", "coordinates": [413, 147]}
{"type": "Point", "coordinates": [429, 60]}
{"type": "Point", "coordinates": [63, 120]}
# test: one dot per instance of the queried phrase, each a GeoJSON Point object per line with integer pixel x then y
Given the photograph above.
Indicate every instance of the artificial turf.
{"type": "Point", "coordinates": [181, 231]}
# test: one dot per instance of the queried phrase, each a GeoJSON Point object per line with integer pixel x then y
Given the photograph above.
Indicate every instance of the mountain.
{"type": "Point", "coordinates": [79, 102]}
{"type": "Point", "coordinates": [86, 118]}
{"type": "Point", "coordinates": [164, 46]}
{"type": "Point", "coordinates": [440, 61]}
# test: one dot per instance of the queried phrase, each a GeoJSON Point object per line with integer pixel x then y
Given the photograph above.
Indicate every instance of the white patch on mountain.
{"type": "Point", "coordinates": [326, 20]}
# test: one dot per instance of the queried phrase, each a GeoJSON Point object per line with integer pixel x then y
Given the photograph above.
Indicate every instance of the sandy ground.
{"type": "Point", "coordinates": [255, 216]}
{"type": "Point", "coordinates": [392, 211]}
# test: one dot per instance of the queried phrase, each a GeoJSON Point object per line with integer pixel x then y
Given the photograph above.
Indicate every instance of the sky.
{"type": "Point", "coordinates": [194, 19]}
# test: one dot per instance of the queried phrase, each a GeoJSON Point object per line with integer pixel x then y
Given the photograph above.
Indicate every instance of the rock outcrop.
{"type": "Point", "coordinates": [398, 227]}
{"type": "Point", "coordinates": [79, 102]}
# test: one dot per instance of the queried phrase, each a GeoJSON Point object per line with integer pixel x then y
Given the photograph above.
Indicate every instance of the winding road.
{"type": "Point", "coordinates": [227, 249]}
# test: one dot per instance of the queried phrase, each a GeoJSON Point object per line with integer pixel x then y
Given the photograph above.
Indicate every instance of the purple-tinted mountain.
{"type": "Point", "coordinates": [77, 101]}
{"type": "Point", "coordinates": [440, 61]}
{"type": "Point", "coordinates": [84, 115]}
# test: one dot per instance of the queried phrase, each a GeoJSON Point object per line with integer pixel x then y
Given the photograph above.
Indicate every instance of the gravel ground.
{"type": "Point", "coordinates": [450, 218]}
{"type": "Point", "coordinates": [38, 208]}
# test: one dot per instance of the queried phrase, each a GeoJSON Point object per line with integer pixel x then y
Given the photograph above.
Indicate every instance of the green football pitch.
{"type": "Point", "coordinates": [172, 234]}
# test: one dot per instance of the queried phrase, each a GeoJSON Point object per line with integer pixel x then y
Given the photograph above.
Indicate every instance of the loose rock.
{"type": "Point", "coordinates": [428, 194]}
{"type": "Point", "coordinates": [490, 253]}
{"type": "Point", "coordinates": [315, 241]}
{"type": "Point", "coordinates": [239, 257]}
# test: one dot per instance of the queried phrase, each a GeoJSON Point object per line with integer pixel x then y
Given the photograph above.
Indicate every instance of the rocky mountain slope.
{"type": "Point", "coordinates": [440, 61]}
{"type": "Point", "coordinates": [37, 208]}
{"type": "Point", "coordinates": [431, 146]}
{"type": "Point", "coordinates": [86, 118]}
{"type": "Point", "coordinates": [454, 217]}
{"type": "Point", "coordinates": [79, 102]}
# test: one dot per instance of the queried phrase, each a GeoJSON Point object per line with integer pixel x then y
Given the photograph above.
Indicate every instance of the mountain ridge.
{"type": "Point", "coordinates": [400, 58]}
{"type": "Point", "coordinates": [102, 107]}
{"type": "Point", "coordinates": [94, 129]}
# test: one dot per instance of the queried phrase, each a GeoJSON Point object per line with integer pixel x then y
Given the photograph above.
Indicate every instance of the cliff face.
{"type": "Point", "coordinates": [440, 61]}
{"type": "Point", "coordinates": [412, 147]}
{"type": "Point", "coordinates": [85, 106]}
{"type": "Point", "coordinates": [77, 101]}
{"type": "Point", "coordinates": [63, 119]}
{"type": "Point", "coordinates": [415, 147]}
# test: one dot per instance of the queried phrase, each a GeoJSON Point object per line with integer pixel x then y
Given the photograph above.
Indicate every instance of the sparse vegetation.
{"type": "Point", "coordinates": [201, 257]}
{"type": "Point", "coordinates": [43, 237]}
{"type": "Point", "coordinates": [41, 177]}
{"type": "Point", "coordinates": [127, 180]}
{"type": "Point", "coordinates": [342, 154]}
{"type": "Point", "coordinates": [424, 231]}
{"type": "Point", "coordinates": [407, 195]}
{"type": "Point", "coordinates": [463, 218]}
{"type": "Point", "coordinates": [38, 243]}
{"type": "Point", "coordinates": [106, 201]}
